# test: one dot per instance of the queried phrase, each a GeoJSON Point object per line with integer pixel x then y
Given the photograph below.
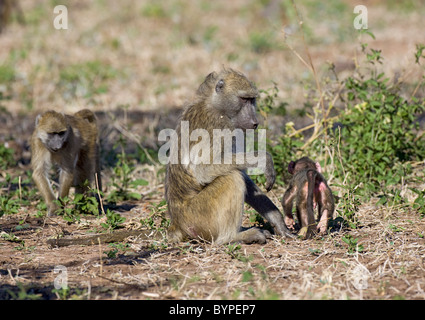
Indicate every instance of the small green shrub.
{"type": "Point", "coordinates": [81, 204]}
{"type": "Point", "coordinates": [122, 180]}
{"type": "Point", "coordinates": [348, 206]}
{"type": "Point", "coordinates": [377, 131]}
{"type": "Point", "coordinates": [11, 197]}
{"type": "Point", "coordinates": [235, 251]}
{"type": "Point", "coordinates": [66, 210]}
{"type": "Point", "coordinates": [369, 141]}
{"type": "Point", "coordinates": [115, 248]}
{"type": "Point", "coordinates": [113, 220]}
{"type": "Point", "coordinates": [158, 211]}
{"type": "Point", "coordinates": [6, 156]}
{"type": "Point", "coordinates": [8, 205]}
{"type": "Point", "coordinates": [353, 244]}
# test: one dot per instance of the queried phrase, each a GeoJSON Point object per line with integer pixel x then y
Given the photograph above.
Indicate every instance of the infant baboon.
{"type": "Point", "coordinates": [309, 188]}
{"type": "Point", "coordinates": [71, 143]}
{"type": "Point", "coordinates": [206, 200]}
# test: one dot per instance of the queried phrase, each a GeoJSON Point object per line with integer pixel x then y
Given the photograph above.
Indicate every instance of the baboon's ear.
{"type": "Point", "coordinates": [206, 86]}
{"type": "Point", "coordinates": [291, 167]}
{"type": "Point", "coordinates": [37, 119]}
{"type": "Point", "coordinates": [318, 167]}
{"type": "Point", "coordinates": [219, 87]}
{"type": "Point", "coordinates": [211, 77]}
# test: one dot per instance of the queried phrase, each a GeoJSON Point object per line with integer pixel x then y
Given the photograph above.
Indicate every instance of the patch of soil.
{"type": "Point", "coordinates": [390, 264]}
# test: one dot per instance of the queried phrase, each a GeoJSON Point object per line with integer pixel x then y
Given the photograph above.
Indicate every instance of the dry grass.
{"type": "Point", "coordinates": [390, 266]}
{"type": "Point", "coordinates": [158, 53]}
{"type": "Point", "coordinates": [140, 59]}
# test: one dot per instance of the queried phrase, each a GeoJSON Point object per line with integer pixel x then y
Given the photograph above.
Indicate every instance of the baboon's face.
{"type": "Point", "coordinates": [246, 118]}
{"type": "Point", "coordinates": [56, 140]}
{"type": "Point", "coordinates": [236, 98]}
{"type": "Point", "coordinates": [52, 130]}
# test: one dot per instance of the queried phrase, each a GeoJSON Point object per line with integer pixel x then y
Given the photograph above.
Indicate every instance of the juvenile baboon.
{"type": "Point", "coordinates": [71, 143]}
{"type": "Point", "coordinates": [206, 200]}
{"type": "Point", "coordinates": [310, 189]}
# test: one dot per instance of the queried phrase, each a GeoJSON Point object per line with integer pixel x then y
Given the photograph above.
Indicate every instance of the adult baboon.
{"type": "Point", "coordinates": [206, 200]}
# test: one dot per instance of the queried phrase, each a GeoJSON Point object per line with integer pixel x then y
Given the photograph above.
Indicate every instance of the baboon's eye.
{"type": "Point", "coordinates": [219, 86]}
{"type": "Point", "coordinates": [247, 100]}
{"type": "Point", "coordinates": [61, 133]}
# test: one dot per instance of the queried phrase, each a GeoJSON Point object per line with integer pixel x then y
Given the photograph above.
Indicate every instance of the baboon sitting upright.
{"type": "Point", "coordinates": [206, 201]}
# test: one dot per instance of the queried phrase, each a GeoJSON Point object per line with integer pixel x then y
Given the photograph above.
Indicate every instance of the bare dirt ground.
{"type": "Point", "coordinates": [385, 259]}
{"type": "Point", "coordinates": [390, 266]}
{"type": "Point", "coordinates": [157, 56]}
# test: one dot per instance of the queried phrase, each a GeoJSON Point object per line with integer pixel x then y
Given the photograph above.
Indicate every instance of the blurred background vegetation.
{"type": "Point", "coordinates": [152, 55]}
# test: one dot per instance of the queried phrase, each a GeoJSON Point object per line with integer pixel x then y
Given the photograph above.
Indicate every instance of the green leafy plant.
{"type": "Point", "coordinates": [11, 237]}
{"type": "Point", "coordinates": [7, 73]}
{"type": "Point", "coordinates": [419, 52]}
{"type": "Point", "coordinates": [392, 197]}
{"type": "Point", "coordinates": [262, 42]}
{"type": "Point", "coordinates": [353, 245]}
{"type": "Point", "coordinates": [377, 130]}
{"type": "Point", "coordinates": [113, 220]}
{"type": "Point", "coordinates": [348, 205]}
{"type": "Point", "coordinates": [394, 228]}
{"type": "Point", "coordinates": [66, 210]}
{"type": "Point", "coordinates": [24, 293]}
{"type": "Point", "coordinates": [10, 198]}
{"type": "Point", "coordinates": [62, 293]}
{"type": "Point", "coordinates": [158, 221]}
{"type": "Point", "coordinates": [6, 157]}
{"type": "Point", "coordinates": [234, 250]}
{"type": "Point", "coordinates": [158, 212]}
{"type": "Point", "coordinates": [72, 208]}
{"type": "Point", "coordinates": [41, 209]}
{"type": "Point", "coordinates": [115, 248]}
{"type": "Point", "coordinates": [8, 205]}
{"type": "Point", "coordinates": [122, 179]}
{"type": "Point", "coordinates": [86, 204]}
{"type": "Point", "coordinates": [419, 203]}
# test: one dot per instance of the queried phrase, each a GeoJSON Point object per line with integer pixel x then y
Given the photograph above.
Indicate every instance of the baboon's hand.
{"type": "Point", "coordinates": [270, 172]}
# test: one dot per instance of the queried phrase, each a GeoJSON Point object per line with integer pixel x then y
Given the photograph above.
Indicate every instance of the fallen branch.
{"type": "Point", "coordinates": [94, 239]}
